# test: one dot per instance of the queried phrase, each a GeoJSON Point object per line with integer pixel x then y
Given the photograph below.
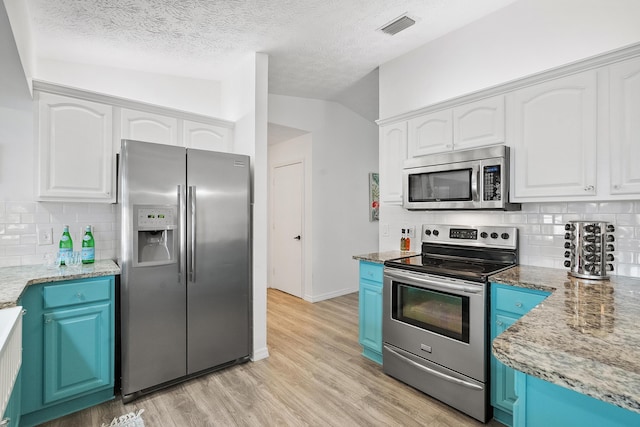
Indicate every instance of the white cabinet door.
{"type": "Point", "coordinates": [393, 153]}
{"type": "Point", "coordinates": [431, 133]}
{"type": "Point", "coordinates": [479, 123]}
{"type": "Point", "coordinates": [75, 160]}
{"type": "Point", "coordinates": [554, 138]}
{"type": "Point", "coordinates": [625, 127]}
{"type": "Point", "coordinates": [149, 127]}
{"type": "Point", "coordinates": [207, 137]}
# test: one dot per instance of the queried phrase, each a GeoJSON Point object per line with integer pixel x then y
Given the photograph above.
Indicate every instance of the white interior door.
{"type": "Point", "coordinates": [286, 262]}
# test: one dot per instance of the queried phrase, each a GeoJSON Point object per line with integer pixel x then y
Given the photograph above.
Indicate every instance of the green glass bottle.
{"type": "Point", "coordinates": [88, 247]}
{"type": "Point", "coordinates": [66, 244]}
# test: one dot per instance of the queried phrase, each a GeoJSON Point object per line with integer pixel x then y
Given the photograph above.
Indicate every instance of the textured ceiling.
{"type": "Point", "coordinates": [317, 48]}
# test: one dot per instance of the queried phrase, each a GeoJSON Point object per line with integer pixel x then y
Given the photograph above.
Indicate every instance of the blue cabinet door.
{"type": "Point", "coordinates": [543, 404]}
{"type": "Point", "coordinates": [370, 310]}
{"type": "Point", "coordinates": [508, 304]}
{"type": "Point", "coordinates": [77, 344]}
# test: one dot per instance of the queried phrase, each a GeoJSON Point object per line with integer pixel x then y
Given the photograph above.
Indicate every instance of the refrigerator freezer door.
{"type": "Point", "coordinates": [153, 300]}
{"type": "Point", "coordinates": [218, 260]}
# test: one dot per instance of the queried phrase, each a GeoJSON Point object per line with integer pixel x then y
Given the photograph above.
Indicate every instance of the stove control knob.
{"type": "Point", "coordinates": [610, 257]}
{"type": "Point", "coordinates": [494, 235]}
{"type": "Point", "coordinates": [569, 245]}
{"type": "Point", "coordinates": [427, 232]}
{"type": "Point", "coordinates": [567, 254]}
{"type": "Point", "coordinates": [567, 263]}
{"type": "Point", "coordinates": [610, 228]}
{"type": "Point", "coordinates": [436, 232]}
{"type": "Point", "coordinates": [610, 238]}
{"type": "Point", "coordinates": [484, 235]}
{"type": "Point", "coordinates": [504, 236]}
{"type": "Point", "coordinates": [569, 227]}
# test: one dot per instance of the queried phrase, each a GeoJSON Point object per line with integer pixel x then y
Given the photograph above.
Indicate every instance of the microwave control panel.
{"type": "Point", "coordinates": [492, 178]}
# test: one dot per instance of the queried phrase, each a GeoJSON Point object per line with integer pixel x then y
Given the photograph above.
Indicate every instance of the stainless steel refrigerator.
{"type": "Point", "coordinates": [184, 253]}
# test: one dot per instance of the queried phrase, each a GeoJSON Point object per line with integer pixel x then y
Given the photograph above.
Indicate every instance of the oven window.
{"type": "Point", "coordinates": [440, 186]}
{"type": "Point", "coordinates": [440, 312]}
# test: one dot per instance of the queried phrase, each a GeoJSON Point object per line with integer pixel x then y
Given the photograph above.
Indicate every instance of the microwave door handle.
{"type": "Point", "coordinates": [475, 183]}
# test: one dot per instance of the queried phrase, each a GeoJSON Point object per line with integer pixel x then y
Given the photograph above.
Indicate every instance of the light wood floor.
{"type": "Point", "coordinates": [315, 376]}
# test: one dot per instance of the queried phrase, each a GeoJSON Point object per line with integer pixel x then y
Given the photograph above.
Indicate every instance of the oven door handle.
{"type": "Point", "coordinates": [434, 283]}
{"type": "Point", "coordinates": [434, 372]}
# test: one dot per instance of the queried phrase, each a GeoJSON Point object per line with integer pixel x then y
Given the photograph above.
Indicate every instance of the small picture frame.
{"type": "Point", "coordinates": [374, 197]}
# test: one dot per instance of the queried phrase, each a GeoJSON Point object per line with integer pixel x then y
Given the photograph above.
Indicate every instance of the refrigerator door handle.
{"type": "Point", "coordinates": [192, 263]}
{"type": "Point", "coordinates": [181, 216]}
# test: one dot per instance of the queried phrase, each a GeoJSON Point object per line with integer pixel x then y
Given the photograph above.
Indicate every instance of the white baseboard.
{"type": "Point", "coordinates": [259, 354]}
{"type": "Point", "coordinates": [329, 295]}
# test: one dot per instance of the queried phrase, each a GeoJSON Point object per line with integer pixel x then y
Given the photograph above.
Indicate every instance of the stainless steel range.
{"type": "Point", "coordinates": [435, 313]}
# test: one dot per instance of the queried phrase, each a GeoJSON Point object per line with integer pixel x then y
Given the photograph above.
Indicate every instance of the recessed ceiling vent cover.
{"type": "Point", "coordinates": [397, 25]}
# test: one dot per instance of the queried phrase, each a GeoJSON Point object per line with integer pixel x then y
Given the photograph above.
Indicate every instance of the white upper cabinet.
{"type": "Point", "coordinates": [469, 125]}
{"type": "Point", "coordinates": [625, 127]}
{"type": "Point", "coordinates": [207, 137]}
{"type": "Point", "coordinates": [393, 153]}
{"type": "Point", "coordinates": [75, 161]}
{"type": "Point", "coordinates": [431, 133]}
{"type": "Point", "coordinates": [149, 127]}
{"type": "Point", "coordinates": [479, 123]}
{"type": "Point", "coordinates": [552, 129]}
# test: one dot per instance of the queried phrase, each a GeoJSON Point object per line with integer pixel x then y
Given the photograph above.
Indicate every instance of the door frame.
{"type": "Point", "coordinates": [305, 225]}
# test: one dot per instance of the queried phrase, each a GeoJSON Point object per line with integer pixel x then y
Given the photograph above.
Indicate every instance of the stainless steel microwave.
{"type": "Point", "coordinates": [466, 179]}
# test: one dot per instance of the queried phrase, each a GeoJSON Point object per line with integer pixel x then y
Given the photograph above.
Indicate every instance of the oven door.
{"type": "Point", "coordinates": [436, 318]}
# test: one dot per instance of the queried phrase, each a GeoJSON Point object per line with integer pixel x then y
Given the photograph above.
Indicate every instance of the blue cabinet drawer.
{"type": "Point", "coordinates": [371, 271]}
{"type": "Point", "coordinates": [77, 292]}
{"type": "Point", "coordinates": [517, 301]}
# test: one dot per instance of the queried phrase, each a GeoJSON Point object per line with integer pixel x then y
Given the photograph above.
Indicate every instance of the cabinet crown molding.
{"type": "Point", "coordinates": [597, 61]}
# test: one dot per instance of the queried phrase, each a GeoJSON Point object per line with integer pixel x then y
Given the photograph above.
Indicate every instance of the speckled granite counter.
{"type": "Point", "coordinates": [13, 280]}
{"type": "Point", "coordinates": [381, 257]}
{"type": "Point", "coordinates": [585, 336]}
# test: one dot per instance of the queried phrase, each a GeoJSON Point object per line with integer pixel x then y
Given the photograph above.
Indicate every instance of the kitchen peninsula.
{"type": "Point", "coordinates": [584, 337]}
{"type": "Point", "coordinates": [68, 339]}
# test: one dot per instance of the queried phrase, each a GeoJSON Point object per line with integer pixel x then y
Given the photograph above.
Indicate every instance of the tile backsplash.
{"type": "Point", "coordinates": [540, 225]}
{"type": "Point", "coordinates": [20, 222]}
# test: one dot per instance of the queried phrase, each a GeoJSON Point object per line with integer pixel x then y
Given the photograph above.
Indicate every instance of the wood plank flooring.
{"type": "Point", "coordinates": [315, 376]}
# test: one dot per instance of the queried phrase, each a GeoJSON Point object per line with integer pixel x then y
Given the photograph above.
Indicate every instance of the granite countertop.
{"type": "Point", "coordinates": [585, 336]}
{"type": "Point", "coordinates": [13, 280]}
{"type": "Point", "coordinates": [381, 257]}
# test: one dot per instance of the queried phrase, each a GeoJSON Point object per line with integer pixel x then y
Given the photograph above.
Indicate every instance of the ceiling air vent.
{"type": "Point", "coordinates": [397, 25]}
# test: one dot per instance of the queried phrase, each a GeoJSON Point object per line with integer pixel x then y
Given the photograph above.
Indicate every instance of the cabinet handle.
{"type": "Point", "coordinates": [79, 295]}
{"type": "Point", "coordinates": [589, 188]}
{"type": "Point", "coordinates": [499, 322]}
{"type": "Point", "coordinates": [519, 304]}
{"type": "Point", "coordinates": [616, 187]}
{"type": "Point", "coordinates": [47, 319]}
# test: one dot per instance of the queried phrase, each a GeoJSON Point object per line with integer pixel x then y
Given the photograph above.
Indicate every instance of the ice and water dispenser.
{"type": "Point", "coordinates": [155, 235]}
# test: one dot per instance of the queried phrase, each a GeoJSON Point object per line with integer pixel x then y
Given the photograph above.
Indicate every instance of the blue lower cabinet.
{"type": "Point", "coordinates": [508, 304]}
{"type": "Point", "coordinates": [370, 310]}
{"type": "Point", "coordinates": [68, 347]}
{"type": "Point", "coordinates": [543, 404]}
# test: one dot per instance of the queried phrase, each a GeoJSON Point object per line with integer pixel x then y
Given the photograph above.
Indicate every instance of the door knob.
{"type": "Point", "coordinates": [297, 237]}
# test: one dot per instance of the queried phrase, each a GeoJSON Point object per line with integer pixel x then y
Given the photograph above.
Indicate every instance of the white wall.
{"type": "Point", "coordinates": [298, 149]}
{"type": "Point", "coordinates": [344, 151]}
{"type": "Point", "coordinates": [523, 38]}
{"type": "Point", "coordinates": [18, 15]}
{"type": "Point", "coordinates": [181, 93]}
{"type": "Point", "coordinates": [245, 101]}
